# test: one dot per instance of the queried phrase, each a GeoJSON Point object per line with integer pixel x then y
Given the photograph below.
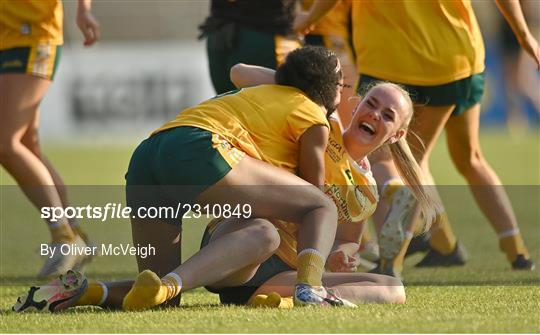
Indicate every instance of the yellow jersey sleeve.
{"type": "Point", "coordinates": [423, 43]}
{"type": "Point", "coordinates": [30, 22]}
{"type": "Point", "coordinates": [265, 121]}
{"type": "Point", "coordinates": [301, 120]}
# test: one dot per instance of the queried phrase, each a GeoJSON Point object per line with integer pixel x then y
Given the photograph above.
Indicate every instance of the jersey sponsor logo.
{"type": "Point", "coordinates": [334, 150]}
{"type": "Point", "coordinates": [16, 63]}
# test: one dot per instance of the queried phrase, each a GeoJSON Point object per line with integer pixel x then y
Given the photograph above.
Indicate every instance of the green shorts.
{"type": "Point", "coordinates": [463, 93]}
{"type": "Point", "coordinates": [239, 295]}
{"type": "Point", "coordinates": [232, 44]}
{"type": "Point", "coordinates": [39, 60]}
{"type": "Point", "coordinates": [175, 166]}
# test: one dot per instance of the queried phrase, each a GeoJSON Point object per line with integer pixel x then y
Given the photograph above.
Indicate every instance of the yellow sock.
{"type": "Point", "coordinates": [61, 233]}
{"type": "Point", "coordinates": [390, 188]}
{"type": "Point", "coordinates": [442, 237]}
{"type": "Point", "coordinates": [173, 282]}
{"type": "Point", "coordinates": [512, 246]}
{"type": "Point", "coordinates": [397, 261]}
{"type": "Point", "coordinates": [78, 230]}
{"type": "Point", "coordinates": [272, 300]}
{"type": "Point", "coordinates": [95, 295]}
{"type": "Point", "coordinates": [148, 291]}
{"type": "Point", "coordinates": [366, 237]}
{"type": "Point", "coordinates": [310, 267]}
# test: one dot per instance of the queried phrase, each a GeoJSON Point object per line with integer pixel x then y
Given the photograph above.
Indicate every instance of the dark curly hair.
{"type": "Point", "coordinates": [312, 69]}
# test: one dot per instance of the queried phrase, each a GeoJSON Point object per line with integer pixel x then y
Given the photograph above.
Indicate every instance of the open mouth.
{"type": "Point", "coordinates": [367, 128]}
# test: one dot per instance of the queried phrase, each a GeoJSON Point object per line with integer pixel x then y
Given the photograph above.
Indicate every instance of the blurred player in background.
{"type": "Point", "coordinates": [437, 52]}
{"type": "Point", "coordinates": [30, 46]}
{"type": "Point", "coordinates": [247, 31]}
{"type": "Point", "coordinates": [333, 31]}
{"type": "Point", "coordinates": [520, 80]}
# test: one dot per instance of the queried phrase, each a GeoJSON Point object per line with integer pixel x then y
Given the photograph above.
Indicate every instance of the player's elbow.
{"type": "Point", "coordinates": [235, 74]}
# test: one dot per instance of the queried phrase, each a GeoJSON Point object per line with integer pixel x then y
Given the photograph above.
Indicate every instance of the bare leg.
{"type": "Point", "coordinates": [30, 140]}
{"type": "Point", "coordinates": [464, 147]}
{"type": "Point", "coordinates": [232, 256]}
{"type": "Point", "coordinates": [166, 239]}
{"type": "Point", "coordinates": [355, 287]}
{"type": "Point", "coordinates": [269, 192]}
{"type": "Point", "coordinates": [248, 243]}
{"type": "Point", "coordinates": [21, 96]}
{"type": "Point", "coordinates": [272, 193]}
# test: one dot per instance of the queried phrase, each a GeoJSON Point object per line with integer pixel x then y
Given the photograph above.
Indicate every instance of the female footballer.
{"type": "Point", "coordinates": [437, 52]}
{"type": "Point", "coordinates": [30, 45]}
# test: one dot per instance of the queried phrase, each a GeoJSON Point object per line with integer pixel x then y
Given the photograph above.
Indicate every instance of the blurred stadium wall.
{"type": "Point", "coordinates": [149, 65]}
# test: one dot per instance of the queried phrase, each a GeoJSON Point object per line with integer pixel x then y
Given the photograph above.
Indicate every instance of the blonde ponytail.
{"type": "Point", "coordinates": [410, 172]}
{"type": "Point", "coordinates": [412, 175]}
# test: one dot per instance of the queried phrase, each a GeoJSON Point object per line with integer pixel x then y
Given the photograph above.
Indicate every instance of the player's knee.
{"type": "Point", "coordinates": [397, 293]}
{"type": "Point", "coordinates": [266, 236]}
{"type": "Point", "coordinates": [394, 291]}
{"type": "Point", "coordinates": [329, 207]}
{"type": "Point", "coordinates": [31, 141]}
{"type": "Point", "coordinates": [8, 150]}
{"type": "Point", "coordinates": [473, 163]}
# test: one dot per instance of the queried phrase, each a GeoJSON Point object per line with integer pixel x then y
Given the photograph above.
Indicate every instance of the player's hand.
{"type": "Point", "coordinates": [530, 45]}
{"type": "Point", "coordinates": [301, 24]}
{"type": "Point", "coordinates": [89, 26]}
{"type": "Point", "coordinates": [338, 261]}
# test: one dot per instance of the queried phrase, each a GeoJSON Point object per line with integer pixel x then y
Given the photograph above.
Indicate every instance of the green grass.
{"type": "Point", "coordinates": [482, 296]}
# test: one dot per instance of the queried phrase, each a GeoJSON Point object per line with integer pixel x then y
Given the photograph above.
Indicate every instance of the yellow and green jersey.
{"type": "Point", "coordinates": [424, 43]}
{"type": "Point", "coordinates": [30, 22]}
{"type": "Point", "coordinates": [350, 185]}
{"type": "Point", "coordinates": [266, 122]}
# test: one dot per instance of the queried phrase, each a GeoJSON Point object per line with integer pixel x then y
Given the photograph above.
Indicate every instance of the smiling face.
{"type": "Point", "coordinates": [379, 118]}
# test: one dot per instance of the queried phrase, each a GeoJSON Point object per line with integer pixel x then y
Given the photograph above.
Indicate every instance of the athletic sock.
{"type": "Point", "coordinates": [173, 282]}
{"type": "Point", "coordinates": [149, 290]}
{"type": "Point", "coordinates": [390, 188]}
{"type": "Point", "coordinates": [61, 232]}
{"type": "Point", "coordinates": [366, 237]}
{"type": "Point", "coordinates": [272, 300]}
{"type": "Point", "coordinates": [512, 244]}
{"type": "Point", "coordinates": [95, 295]}
{"type": "Point", "coordinates": [442, 237]}
{"type": "Point", "coordinates": [74, 224]}
{"type": "Point", "coordinates": [310, 267]}
{"type": "Point", "coordinates": [399, 259]}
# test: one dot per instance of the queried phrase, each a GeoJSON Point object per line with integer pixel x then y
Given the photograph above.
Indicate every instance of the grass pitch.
{"type": "Point", "coordinates": [482, 296]}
